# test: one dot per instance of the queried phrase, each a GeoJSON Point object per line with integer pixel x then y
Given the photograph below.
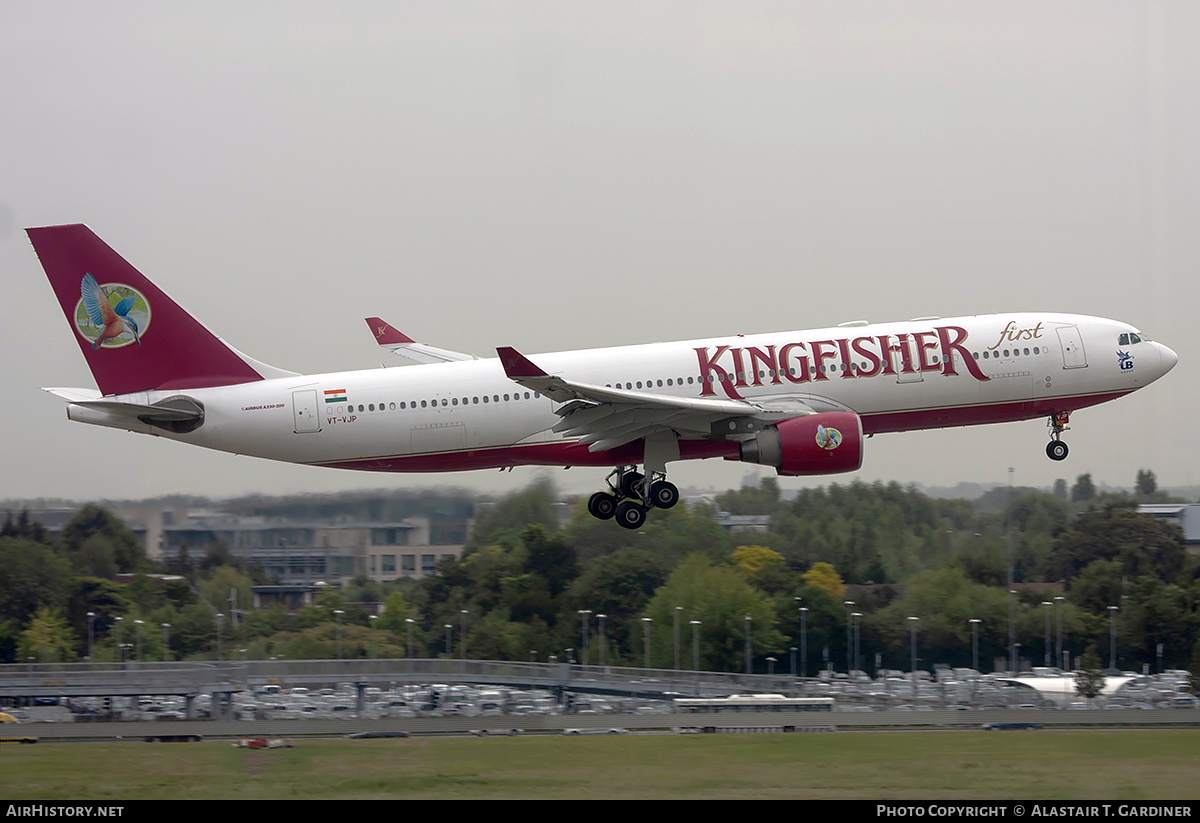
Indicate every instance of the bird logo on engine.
{"type": "Point", "coordinates": [828, 438]}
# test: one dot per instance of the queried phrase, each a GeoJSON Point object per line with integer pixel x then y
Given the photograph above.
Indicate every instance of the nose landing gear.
{"type": "Point", "coordinates": [1056, 449]}
{"type": "Point", "coordinates": [631, 495]}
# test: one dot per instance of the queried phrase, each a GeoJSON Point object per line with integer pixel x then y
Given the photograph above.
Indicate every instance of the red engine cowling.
{"type": "Point", "coordinates": [828, 443]}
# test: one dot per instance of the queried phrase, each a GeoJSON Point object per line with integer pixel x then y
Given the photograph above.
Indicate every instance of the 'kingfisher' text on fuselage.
{"type": "Point", "coordinates": [798, 363]}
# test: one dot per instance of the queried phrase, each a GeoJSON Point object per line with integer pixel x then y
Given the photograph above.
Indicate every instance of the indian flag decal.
{"type": "Point", "coordinates": [335, 396]}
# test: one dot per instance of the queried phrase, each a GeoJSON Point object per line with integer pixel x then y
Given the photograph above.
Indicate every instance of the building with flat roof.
{"type": "Point", "coordinates": [305, 553]}
{"type": "Point", "coordinates": [1185, 515]}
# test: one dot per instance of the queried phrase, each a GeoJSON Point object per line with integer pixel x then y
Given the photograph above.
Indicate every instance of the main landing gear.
{"type": "Point", "coordinates": [631, 494]}
{"type": "Point", "coordinates": [1056, 449]}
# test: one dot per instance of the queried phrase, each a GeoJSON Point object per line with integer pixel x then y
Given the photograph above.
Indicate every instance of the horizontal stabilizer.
{"type": "Point", "coordinates": [179, 413]}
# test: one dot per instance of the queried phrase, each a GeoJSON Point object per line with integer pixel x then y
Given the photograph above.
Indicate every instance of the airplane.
{"type": "Point", "coordinates": [802, 402]}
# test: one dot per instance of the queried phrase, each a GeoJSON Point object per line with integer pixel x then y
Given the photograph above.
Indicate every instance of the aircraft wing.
{"type": "Point", "coordinates": [400, 343]}
{"type": "Point", "coordinates": [606, 418]}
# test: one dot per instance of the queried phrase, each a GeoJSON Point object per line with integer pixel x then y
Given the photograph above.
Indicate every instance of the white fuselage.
{"type": "Point", "coordinates": [918, 374]}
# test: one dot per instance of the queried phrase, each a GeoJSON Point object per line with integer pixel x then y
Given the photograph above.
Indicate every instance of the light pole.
{"type": "Point", "coordinates": [1012, 614]}
{"type": "Point", "coordinates": [220, 623]}
{"type": "Point", "coordinates": [695, 624]}
{"type": "Point", "coordinates": [1013, 661]}
{"type": "Point", "coordinates": [408, 621]}
{"type": "Point", "coordinates": [138, 623]}
{"type": "Point", "coordinates": [374, 648]}
{"type": "Point", "coordinates": [912, 624]}
{"type": "Point", "coordinates": [857, 637]}
{"type": "Point", "coordinates": [748, 667]}
{"type": "Point", "coordinates": [166, 627]}
{"type": "Point", "coordinates": [583, 618]}
{"type": "Point", "coordinates": [120, 621]}
{"type": "Point", "coordinates": [792, 650]}
{"type": "Point", "coordinates": [646, 621]}
{"type": "Point", "coordinates": [449, 629]}
{"type": "Point", "coordinates": [975, 621]}
{"type": "Point", "coordinates": [1112, 637]}
{"type": "Point", "coordinates": [803, 642]}
{"type": "Point", "coordinates": [1047, 604]}
{"type": "Point", "coordinates": [1058, 608]}
{"type": "Point", "coordinates": [600, 618]}
{"type": "Point", "coordinates": [678, 609]}
{"type": "Point", "coordinates": [338, 614]}
{"type": "Point", "coordinates": [91, 616]}
{"type": "Point", "coordinates": [849, 604]}
{"type": "Point", "coordinates": [462, 646]}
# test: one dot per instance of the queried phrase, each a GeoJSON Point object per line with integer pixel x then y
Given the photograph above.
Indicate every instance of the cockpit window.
{"type": "Point", "coordinates": [1131, 338]}
{"type": "Point", "coordinates": [1123, 340]}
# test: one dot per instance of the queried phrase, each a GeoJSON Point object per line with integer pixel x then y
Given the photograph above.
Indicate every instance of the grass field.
{"type": "Point", "coordinates": [1029, 765]}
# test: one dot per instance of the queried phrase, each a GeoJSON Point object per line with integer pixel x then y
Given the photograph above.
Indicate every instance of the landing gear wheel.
{"type": "Point", "coordinates": [630, 514]}
{"type": "Point", "coordinates": [664, 495]}
{"type": "Point", "coordinates": [630, 481]}
{"type": "Point", "coordinates": [602, 505]}
{"type": "Point", "coordinates": [1056, 450]}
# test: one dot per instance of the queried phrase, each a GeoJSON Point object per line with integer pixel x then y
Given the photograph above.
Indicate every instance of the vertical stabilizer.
{"type": "Point", "coordinates": [133, 336]}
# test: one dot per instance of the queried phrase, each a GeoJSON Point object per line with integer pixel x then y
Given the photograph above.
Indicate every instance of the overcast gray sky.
{"type": "Point", "coordinates": [565, 175]}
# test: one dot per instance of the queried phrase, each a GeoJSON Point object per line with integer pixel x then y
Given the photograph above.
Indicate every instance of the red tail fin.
{"type": "Point", "coordinates": [133, 336]}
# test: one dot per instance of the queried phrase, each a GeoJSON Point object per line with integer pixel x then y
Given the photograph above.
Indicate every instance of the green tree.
{"type": "Point", "coordinates": [945, 600]}
{"type": "Point", "coordinates": [752, 561]}
{"type": "Point", "coordinates": [720, 598]}
{"type": "Point", "coordinates": [1146, 483]}
{"type": "Point", "coordinates": [48, 639]}
{"type": "Point", "coordinates": [761, 499]}
{"type": "Point", "coordinates": [117, 544]}
{"type": "Point", "coordinates": [31, 575]}
{"type": "Point", "coordinates": [1084, 489]}
{"type": "Point", "coordinates": [1089, 678]}
{"type": "Point", "coordinates": [1140, 543]}
{"type": "Point", "coordinates": [824, 576]}
{"type": "Point", "coordinates": [395, 612]}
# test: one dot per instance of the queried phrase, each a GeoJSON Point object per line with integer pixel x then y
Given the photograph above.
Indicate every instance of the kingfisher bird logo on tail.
{"type": "Point", "coordinates": [104, 324]}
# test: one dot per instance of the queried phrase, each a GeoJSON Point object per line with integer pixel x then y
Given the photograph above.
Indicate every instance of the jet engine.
{"type": "Point", "coordinates": [827, 443]}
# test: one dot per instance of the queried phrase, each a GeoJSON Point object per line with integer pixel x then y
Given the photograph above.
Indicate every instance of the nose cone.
{"type": "Point", "coordinates": [1168, 358]}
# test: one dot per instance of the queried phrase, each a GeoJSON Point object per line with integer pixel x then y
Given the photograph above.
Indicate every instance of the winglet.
{"type": "Point", "coordinates": [517, 365]}
{"type": "Point", "coordinates": [385, 334]}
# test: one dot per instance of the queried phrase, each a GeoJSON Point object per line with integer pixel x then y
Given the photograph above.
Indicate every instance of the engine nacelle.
{"type": "Point", "coordinates": [828, 443]}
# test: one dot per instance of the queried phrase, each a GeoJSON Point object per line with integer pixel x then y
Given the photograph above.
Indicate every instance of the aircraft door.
{"type": "Point", "coordinates": [304, 411]}
{"type": "Point", "coordinates": [1074, 356]}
